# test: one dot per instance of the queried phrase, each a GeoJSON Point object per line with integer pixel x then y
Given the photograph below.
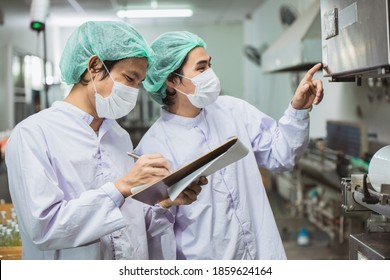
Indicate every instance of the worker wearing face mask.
{"type": "Point", "coordinates": [232, 218]}
{"type": "Point", "coordinates": [69, 175]}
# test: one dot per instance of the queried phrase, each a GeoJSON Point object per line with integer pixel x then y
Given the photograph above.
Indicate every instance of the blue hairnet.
{"type": "Point", "coordinates": [170, 50]}
{"type": "Point", "coordinates": [108, 40]}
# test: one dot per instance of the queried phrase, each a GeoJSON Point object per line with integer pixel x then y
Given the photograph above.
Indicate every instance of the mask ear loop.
{"type": "Point", "coordinates": [107, 71]}
{"type": "Point", "coordinates": [93, 84]}
{"type": "Point", "coordinates": [186, 94]}
{"type": "Point", "coordinates": [181, 76]}
{"type": "Point", "coordinates": [90, 75]}
{"type": "Point", "coordinates": [191, 79]}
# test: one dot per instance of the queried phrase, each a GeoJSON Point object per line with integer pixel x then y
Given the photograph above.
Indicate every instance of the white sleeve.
{"type": "Point", "coordinates": [277, 145]}
{"type": "Point", "coordinates": [161, 236]}
{"type": "Point", "coordinates": [46, 216]}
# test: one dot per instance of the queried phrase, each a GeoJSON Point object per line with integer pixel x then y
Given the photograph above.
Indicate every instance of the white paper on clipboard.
{"type": "Point", "coordinates": [173, 184]}
{"type": "Point", "coordinates": [236, 152]}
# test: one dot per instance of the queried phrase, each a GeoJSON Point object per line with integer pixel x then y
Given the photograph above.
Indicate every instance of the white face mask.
{"type": "Point", "coordinates": [207, 88]}
{"type": "Point", "coordinates": [119, 103]}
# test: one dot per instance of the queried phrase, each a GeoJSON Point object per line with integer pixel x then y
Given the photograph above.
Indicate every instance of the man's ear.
{"type": "Point", "coordinates": [171, 81]}
{"type": "Point", "coordinates": [170, 84]}
{"type": "Point", "coordinates": [94, 63]}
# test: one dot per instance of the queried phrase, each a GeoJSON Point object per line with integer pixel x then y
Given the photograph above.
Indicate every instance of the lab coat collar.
{"type": "Point", "coordinates": [106, 126]}
{"type": "Point", "coordinates": [180, 120]}
{"type": "Point", "coordinates": [75, 111]}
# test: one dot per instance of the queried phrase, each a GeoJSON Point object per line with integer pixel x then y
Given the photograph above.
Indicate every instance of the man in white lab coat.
{"type": "Point", "coordinates": [231, 218]}
{"type": "Point", "coordinates": [69, 175]}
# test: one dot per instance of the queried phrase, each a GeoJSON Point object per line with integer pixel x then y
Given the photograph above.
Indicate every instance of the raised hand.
{"type": "Point", "coordinates": [309, 91]}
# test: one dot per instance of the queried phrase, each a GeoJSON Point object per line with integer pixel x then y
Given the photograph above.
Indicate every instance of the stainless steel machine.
{"type": "Point", "coordinates": [355, 45]}
{"type": "Point", "coordinates": [355, 39]}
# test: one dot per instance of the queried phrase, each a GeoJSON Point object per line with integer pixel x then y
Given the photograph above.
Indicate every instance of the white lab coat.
{"type": "Point", "coordinates": [232, 218]}
{"type": "Point", "coordinates": [60, 178]}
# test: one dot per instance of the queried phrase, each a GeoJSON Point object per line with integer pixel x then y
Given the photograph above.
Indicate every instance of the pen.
{"type": "Point", "coordinates": [134, 156]}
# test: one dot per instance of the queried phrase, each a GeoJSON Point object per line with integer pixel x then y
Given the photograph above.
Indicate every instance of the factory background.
{"type": "Point", "coordinates": [307, 202]}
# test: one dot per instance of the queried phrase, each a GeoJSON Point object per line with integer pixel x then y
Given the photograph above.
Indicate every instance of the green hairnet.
{"type": "Point", "coordinates": [170, 50]}
{"type": "Point", "coordinates": [109, 40]}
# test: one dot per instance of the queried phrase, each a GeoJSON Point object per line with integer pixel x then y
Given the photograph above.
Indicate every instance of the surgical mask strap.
{"type": "Point", "coordinates": [186, 94]}
{"type": "Point", "coordinates": [107, 72]}
{"type": "Point", "coordinates": [90, 75]}
{"type": "Point", "coordinates": [182, 76]}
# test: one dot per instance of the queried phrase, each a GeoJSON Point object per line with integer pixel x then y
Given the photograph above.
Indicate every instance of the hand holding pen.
{"type": "Point", "coordinates": [146, 169]}
{"type": "Point", "coordinates": [137, 157]}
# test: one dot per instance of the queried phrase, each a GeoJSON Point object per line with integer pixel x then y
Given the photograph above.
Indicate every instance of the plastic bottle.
{"type": "Point", "coordinates": [303, 237]}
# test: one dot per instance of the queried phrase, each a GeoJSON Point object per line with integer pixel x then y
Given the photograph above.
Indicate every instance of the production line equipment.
{"type": "Point", "coordinates": [370, 193]}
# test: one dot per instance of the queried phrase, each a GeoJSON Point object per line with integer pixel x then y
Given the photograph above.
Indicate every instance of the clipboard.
{"type": "Point", "coordinates": [173, 184]}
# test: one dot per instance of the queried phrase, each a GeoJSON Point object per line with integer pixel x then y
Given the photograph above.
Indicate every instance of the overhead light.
{"type": "Point", "coordinates": [155, 13]}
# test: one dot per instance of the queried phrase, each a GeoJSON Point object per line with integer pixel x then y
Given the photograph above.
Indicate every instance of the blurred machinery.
{"type": "Point", "coordinates": [370, 193]}
{"type": "Point", "coordinates": [313, 188]}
